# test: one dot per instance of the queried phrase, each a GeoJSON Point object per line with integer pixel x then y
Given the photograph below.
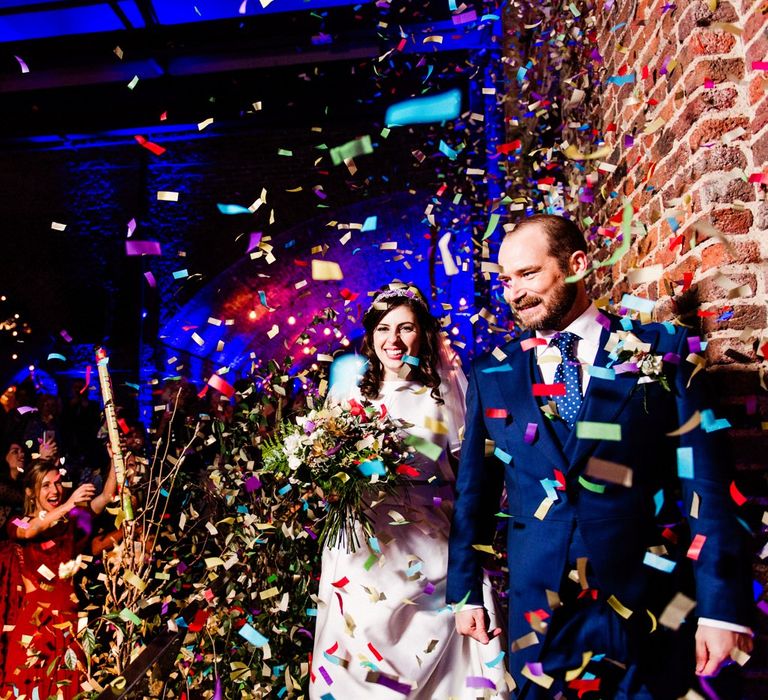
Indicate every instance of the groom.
{"type": "Point", "coordinates": [623, 543]}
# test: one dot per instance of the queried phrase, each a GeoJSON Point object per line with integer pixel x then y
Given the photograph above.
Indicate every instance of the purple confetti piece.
{"type": "Point", "coordinates": [604, 321]}
{"type": "Point", "coordinates": [142, 248]}
{"type": "Point", "coordinates": [429, 589]}
{"type": "Point", "coordinates": [310, 533]}
{"type": "Point", "coordinates": [480, 682]}
{"type": "Point", "coordinates": [218, 693]}
{"type": "Point", "coordinates": [150, 279]}
{"type": "Point", "coordinates": [252, 484]}
{"type": "Point", "coordinates": [530, 433]}
{"type": "Point", "coordinates": [253, 240]}
{"type": "Point", "coordinates": [750, 405]}
{"type": "Point", "coordinates": [22, 64]}
{"type": "Point", "coordinates": [465, 17]}
{"type": "Point", "coordinates": [625, 367]}
{"type": "Point", "coordinates": [536, 669]}
{"type": "Point", "coordinates": [437, 501]}
{"type": "Point", "coordinates": [325, 675]}
{"type": "Point", "coordinates": [694, 343]}
{"type": "Point", "coordinates": [629, 140]}
{"type": "Point", "coordinates": [762, 606]}
{"type": "Point", "coordinates": [393, 684]}
{"type": "Point", "coordinates": [672, 358]}
{"type": "Point", "coordinates": [181, 568]}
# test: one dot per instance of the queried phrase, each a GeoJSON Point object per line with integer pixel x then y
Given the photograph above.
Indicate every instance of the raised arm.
{"type": "Point", "coordinates": [99, 503]}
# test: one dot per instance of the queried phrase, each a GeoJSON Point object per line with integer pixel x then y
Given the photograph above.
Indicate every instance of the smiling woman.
{"type": "Point", "coordinates": [44, 657]}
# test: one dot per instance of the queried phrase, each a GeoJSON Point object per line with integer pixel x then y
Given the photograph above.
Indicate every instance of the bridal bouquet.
{"type": "Point", "coordinates": [352, 452]}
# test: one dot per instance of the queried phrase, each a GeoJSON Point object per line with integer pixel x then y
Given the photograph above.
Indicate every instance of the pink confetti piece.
{"type": "Point", "coordinates": [65, 335]}
{"type": "Point", "coordinates": [759, 65]}
{"type": "Point", "coordinates": [131, 227]}
{"type": "Point", "coordinates": [530, 433]}
{"type": "Point", "coordinates": [465, 17]}
{"type": "Point", "coordinates": [151, 281]}
{"type": "Point", "coordinates": [216, 382]}
{"type": "Point", "coordinates": [529, 343]}
{"type": "Point", "coordinates": [24, 67]}
{"type": "Point", "coordinates": [23, 524]}
{"type": "Point", "coordinates": [142, 248]}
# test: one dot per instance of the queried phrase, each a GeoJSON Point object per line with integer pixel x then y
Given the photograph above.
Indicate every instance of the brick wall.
{"type": "Point", "coordinates": [666, 97]}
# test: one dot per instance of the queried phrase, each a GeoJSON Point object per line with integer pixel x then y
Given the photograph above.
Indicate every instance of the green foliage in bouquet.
{"type": "Point", "coordinates": [348, 452]}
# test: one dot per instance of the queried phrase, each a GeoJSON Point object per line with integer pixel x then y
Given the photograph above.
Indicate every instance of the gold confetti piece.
{"type": "Point", "coordinates": [543, 509]}
{"type": "Point", "coordinates": [695, 504]}
{"type": "Point", "coordinates": [726, 27]}
{"type": "Point", "coordinates": [700, 363]}
{"type": "Point", "coordinates": [435, 426]}
{"type": "Point", "coordinates": [739, 656]}
{"type": "Point", "coordinates": [609, 471]}
{"type": "Point", "coordinates": [131, 578]}
{"type": "Point", "coordinates": [499, 354]}
{"type": "Point", "coordinates": [45, 572]}
{"type": "Point", "coordinates": [57, 226]}
{"type": "Point", "coordinates": [574, 154]}
{"type": "Point", "coordinates": [213, 562]}
{"type": "Point", "coordinates": [676, 611]}
{"type": "Point", "coordinates": [198, 339]}
{"type": "Point", "coordinates": [543, 680]}
{"type": "Point", "coordinates": [581, 569]}
{"type": "Point", "coordinates": [166, 196]}
{"type": "Point", "coordinates": [203, 124]}
{"type": "Point", "coordinates": [134, 82]}
{"type": "Point", "coordinates": [574, 673]}
{"type": "Point", "coordinates": [527, 640]}
{"type": "Point", "coordinates": [118, 52]}
{"type": "Point", "coordinates": [654, 126]}
{"type": "Point", "coordinates": [272, 332]}
{"type": "Point", "coordinates": [686, 427]}
{"type": "Point", "coordinates": [622, 610]}
{"type": "Point", "coordinates": [326, 270]}
{"type": "Point", "coordinates": [639, 275]}
{"type": "Point", "coordinates": [269, 593]}
{"type": "Point", "coordinates": [484, 548]}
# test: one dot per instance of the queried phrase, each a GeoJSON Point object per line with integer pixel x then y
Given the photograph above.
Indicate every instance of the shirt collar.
{"type": "Point", "coordinates": [587, 327]}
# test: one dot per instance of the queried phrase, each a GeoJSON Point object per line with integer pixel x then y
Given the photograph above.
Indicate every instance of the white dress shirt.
{"type": "Point", "coordinates": [589, 329]}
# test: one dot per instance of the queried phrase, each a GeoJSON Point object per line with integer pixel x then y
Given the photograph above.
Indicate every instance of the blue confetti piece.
{"type": "Point", "coordinates": [626, 324]}
{"type": "Point", "coordinates": [521, 74]}
{"type": "Point", "coordinates": [180, 274]}
{"type": "Point", "coordinates": [503, 456]}
{"type": "Point", "coordinates": [685, 462]}
{"type": "Point", "coordinates": [500, 368]}
{"type": "Point", "coordinates": [710, 424]}
{"type": "Point", "coordinates": [658, 500]}
{"type": "Point", "coordinates": [285, 489]}
{"type": "Point", "coordinates": [674, 224]}
{"type": "Point", "coordinates": [414, 568]}
{"type": "Point", "coordinates": [371, 467]}
{"type": "Point", "coordinates": [231, 209]}
{"type": "Point", "coordinates": [370, 224]}
{"type": "Point", "coordinates": [311, 612]}
{"type": "Point", "coordinates": [373, 543]}
{"type": "Point", "coordinates": [410, 360]}
{"type": "Point", "coordinates": [670, 327]}
{"type": "Point", "coordinates": [601, 372]}
{"type": "Point", "coordinates": [327, 696]}
{"type": "Point", "coordinates": [549, 487]}
{"type": "Point", "coordinates": [252, 635]}
{"type": "Point", "coordinates": [445, 149]}
{"type": "Point", "coordinates": [622, 79]}
{"type": "Point", "coordinates": [657, 562]}
{"type": "Point", "coordinates": [496, 661]}
{"type": "Point", "coordinates": [425, 110]}
{"type": "Point", "coordinates": [630, 301]}
{"type": "Point", "coordinates": [163, 492]}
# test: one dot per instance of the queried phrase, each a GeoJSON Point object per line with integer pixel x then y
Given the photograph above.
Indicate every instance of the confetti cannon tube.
{"type": "Point", "coordinates": [102, 362]}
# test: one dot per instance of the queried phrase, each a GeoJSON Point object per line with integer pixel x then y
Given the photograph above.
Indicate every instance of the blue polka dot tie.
{"type": "Point", "coordinates": [567, 373]}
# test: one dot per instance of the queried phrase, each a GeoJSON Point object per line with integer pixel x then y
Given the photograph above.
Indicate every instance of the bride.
{"type": "Point", "coordinates": [383, 627]}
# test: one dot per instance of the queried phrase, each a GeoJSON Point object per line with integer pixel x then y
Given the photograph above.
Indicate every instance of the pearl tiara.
{"type": "Point", "coordinates": [400, 292]}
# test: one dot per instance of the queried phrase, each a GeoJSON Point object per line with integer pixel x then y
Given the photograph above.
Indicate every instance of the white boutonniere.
{"type": "Point", "coordinates": [635, 357]}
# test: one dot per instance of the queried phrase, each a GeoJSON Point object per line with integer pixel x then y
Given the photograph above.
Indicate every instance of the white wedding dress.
{"type": "Point", "coordinates": [383, 629]}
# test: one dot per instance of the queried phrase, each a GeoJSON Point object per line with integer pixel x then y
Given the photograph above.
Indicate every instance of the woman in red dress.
{"type": "Point", "coordinates": [43, 653]}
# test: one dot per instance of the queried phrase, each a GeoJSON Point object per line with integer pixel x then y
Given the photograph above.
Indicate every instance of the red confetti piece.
{"type": "Point", "coordinates": [87, 379]}
{"type": "Point", "coordinates": [759, 177]}
{"type": "Point", "coordinates": [529, 343]}
{"type": "Point", "coordinates": [549, 389]}
{"type": "Point", "coordinates": [332, 649]}
{"type": "Point", "coordinates": [495, 413]}
{"type": "Point", "coordinates": [687, 281]}
{"type": "Point", "coordinates": [540, 613]}
{"type": "Point", "coordinates": [764, 350]}
{"type": "Point", "coordinates": [348, 295]}
{"type": "Point", "coordinates": [124, 426]}
{"type": "Point", "coordinates": [739, 498]}
{"type": "Point", "coordinates": [695, 549]}
{"type": "Point", "coordinates": [676, 241]}
{"type": "Point", "coordinates": [374, 651]}
{"type": "Point", "coordinates": [221, 385]}
{"type": "Point", "coordinates": [560, 478]}
{"type": "Point", "coordinates": [407, 470]}
{"type": "Point", "coordinates": [152, 147]}
{"type": "Point", "coordinates": [669, 534]}
{"type": "Point", "coordinates": [341, 582]}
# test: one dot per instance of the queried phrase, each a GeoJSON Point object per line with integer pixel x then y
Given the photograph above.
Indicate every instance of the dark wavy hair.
{"type": "Point", "coordinates": [429, 343]}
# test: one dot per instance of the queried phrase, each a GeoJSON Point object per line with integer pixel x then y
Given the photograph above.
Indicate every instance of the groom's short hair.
{"type": "Point", "coordinates": [564, 236]}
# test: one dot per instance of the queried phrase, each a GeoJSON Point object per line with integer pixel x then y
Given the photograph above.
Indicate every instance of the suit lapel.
{"type": "Point", "coordinates": [603, 401]}
{"type": "Point", "coordinates": [516, 386]}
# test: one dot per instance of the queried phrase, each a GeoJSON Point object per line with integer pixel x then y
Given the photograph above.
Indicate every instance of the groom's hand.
{"type": "Point", "coordinates": [713, 648]}
{"type": "Point", "coordinates": [472, 622]}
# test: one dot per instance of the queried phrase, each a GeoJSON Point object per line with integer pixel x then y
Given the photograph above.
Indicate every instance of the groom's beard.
{"type": "Point", "coordinates": [552, 308]}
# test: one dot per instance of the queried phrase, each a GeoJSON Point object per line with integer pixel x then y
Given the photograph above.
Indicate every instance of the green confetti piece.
{"type": "Point", "coordinates": [351, 149]}
{"type": "Point", "coordinates": [425, 447]}
{"type": "Point", "coordinates": [129, 616]}
{"type": "Point", "coordinates": [284, 152]}
{"type": "Point", "coordinates": [493, 222]}
{"type": "Point", "coordinates": [594, 488]}
{"type": "Point", "coordinates": [370, 561]}
{"type": "Point", "coordinates": [591, 430]}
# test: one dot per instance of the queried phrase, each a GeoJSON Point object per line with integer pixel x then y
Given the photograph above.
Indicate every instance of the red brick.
{"type": "Point", "coordinates": [717, 348]}
{"type": "Point", "coordinates": [761, 118]}
{"type": "Point", "coordinates": [724, 190]}
{"type": "Point", "coordinates": [713, 100]}
{"type": "Point", "coordinates": [760, 149]}
{"type": "Point", "coordinates": [710, 290]}
{"type": "Point", "coordinates": [757, 50]}
{"type": "Point", "coordinates": [758, 87]}
{"type": "Point", "coordinates": [718, 70]}
{"type": "Point", "coordinates": [706, 42]}
{"type": "Point", "coordinates": [732, 220]}
{"type": "Point", "coordinates": [698, 14]}
{"type": "Point", "coordinates": [712, 129]}
{"type": "Point", "coordinates": [754, 24]}
{"type": "Point", "coordinates": [761, 220]}
{"type": "Point", "coordinates": [718, 157]}
{"type": "Point", "coordinates": [716, 254]}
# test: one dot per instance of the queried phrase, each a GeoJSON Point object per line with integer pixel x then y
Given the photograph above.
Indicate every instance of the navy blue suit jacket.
{"type": "Point", "coordinates": [617, 525]}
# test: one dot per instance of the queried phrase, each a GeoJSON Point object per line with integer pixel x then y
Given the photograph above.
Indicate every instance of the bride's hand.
{"type": "Point", "coordinates": [471, 622]}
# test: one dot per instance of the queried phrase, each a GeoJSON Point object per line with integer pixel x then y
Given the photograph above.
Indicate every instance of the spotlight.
{"type": "Point", "coordinates": [252, 314]}
{"type": "Point", "coordinates": [291, 320]}
{"type": "Point", "coordinates": [327, 331]}
{"type": "Point", "coordinates": [454, 331]}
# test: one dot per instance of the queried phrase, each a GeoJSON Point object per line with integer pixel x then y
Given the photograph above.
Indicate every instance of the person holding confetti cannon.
{"type": "Point", "coordinates": [628, 566]}
{"type": "Point", "coordinates": [43, 656]}
{"type": "Point", "coordinates": [383, 627]}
